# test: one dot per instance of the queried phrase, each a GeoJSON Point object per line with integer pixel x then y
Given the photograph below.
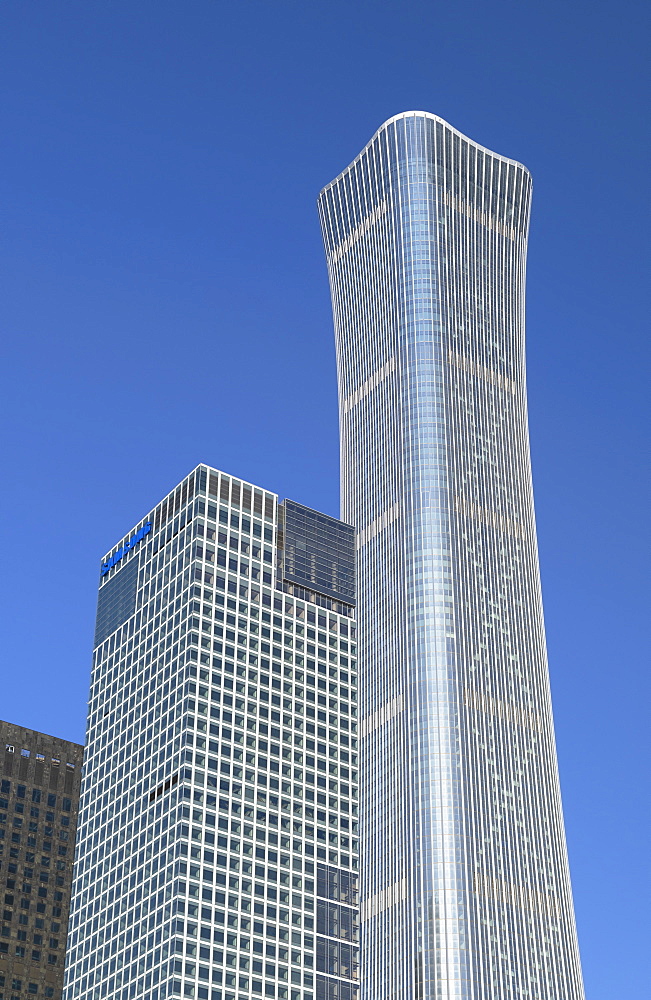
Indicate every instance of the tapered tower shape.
{"type": "Point", "coordinates": [465, 884]}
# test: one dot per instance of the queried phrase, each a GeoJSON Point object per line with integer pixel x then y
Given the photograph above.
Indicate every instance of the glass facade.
{"type": "Point", "coordinates": [465, 889]}
{"type": "Point", "coordinates": [318, 552]}
{"type": "Point", "coordinates": [116, 601]}
{"type": "Point", "coordinates": [220, 775]}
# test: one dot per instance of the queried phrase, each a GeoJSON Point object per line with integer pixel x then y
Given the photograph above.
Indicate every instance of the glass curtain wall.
{"type": "Point", "coordinates": [465, 884]}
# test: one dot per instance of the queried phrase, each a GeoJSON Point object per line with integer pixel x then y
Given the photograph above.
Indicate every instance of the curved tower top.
{"type": "Point", "coordinates": [430, 117]}
{"type": "Point", "coordinates": [465, 882]}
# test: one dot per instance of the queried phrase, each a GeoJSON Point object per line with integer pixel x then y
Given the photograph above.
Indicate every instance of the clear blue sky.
{"type": "Point", "coordinates": [164, 302]}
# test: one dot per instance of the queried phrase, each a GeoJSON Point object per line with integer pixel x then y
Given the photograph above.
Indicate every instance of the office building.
{"type": "Point", "coordinates": [39, 797]}
{"type": "Point", "coordinates": [465, 887]}
{"type": "Point", "coordinates": [217, 854]}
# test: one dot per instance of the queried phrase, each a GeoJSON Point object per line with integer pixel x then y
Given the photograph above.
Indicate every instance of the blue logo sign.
{"type": "Point", "coordinates": [131, 544]}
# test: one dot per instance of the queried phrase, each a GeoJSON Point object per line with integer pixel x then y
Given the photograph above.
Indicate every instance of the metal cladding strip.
{"type": "Point", "coordinates": [522, 896]}
{"type": "Point", "coordinates": [385, 898]}
{"type": "Point", "coordinates": [478, 216]}
{"type": "Point", "coordinates": [482, 702]}
{"type": "Point", "coordinates": [358, 233]}
{"type": "Point", "coordinates": [383, 715]}
{"type": "Point", "coordinates": [379, 524]}
{"type": "Point", "coordinates": [370, 384]}
{"type": "Point", "coordinates": [481, 371]}
{"type": "Point", "coordinates": [491, 518]}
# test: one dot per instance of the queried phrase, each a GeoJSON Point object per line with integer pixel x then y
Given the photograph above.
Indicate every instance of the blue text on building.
{"type": "Point", "coordinates": [133, 541]}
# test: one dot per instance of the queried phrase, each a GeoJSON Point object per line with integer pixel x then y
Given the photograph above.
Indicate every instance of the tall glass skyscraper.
{"type": "Point", "coordinates": [217, 848]}
{"type": "Point", "coordinates": [465, 888]}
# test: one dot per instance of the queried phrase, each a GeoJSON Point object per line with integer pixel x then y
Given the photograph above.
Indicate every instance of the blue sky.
{"type": "Point", "coordinates": [164, 302]}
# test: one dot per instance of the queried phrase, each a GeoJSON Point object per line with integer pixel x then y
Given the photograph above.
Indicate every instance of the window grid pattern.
{"type": "Point", "coordinates": [221, 767]}
{"type": "Point", "coordinates": [465, 887]}
{"type": "Point", "coordinates": [39, 796]}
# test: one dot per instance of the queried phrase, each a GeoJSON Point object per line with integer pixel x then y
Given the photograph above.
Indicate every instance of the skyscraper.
{"type": "Point", "coordinates": [39, 798]}
{"type": "Point", "coordinates": [217, 849]}
{"type": "Point", "coordinates": [465, 888]}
